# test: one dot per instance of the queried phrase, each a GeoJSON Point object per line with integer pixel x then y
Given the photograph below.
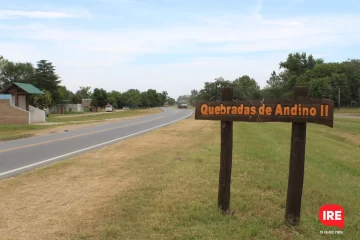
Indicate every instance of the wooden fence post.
{"type": "Point", "coordinates": [225, 156]}
{"type": "Point", "coordinates": [296, 168]}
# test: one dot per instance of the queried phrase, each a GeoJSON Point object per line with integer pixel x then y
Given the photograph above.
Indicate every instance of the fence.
{"type": "Point", "coordinates": [10, 114]}
{"type": "Point", "coordinates": [37, 115]}
{"type": "Point", "coordinates": [66, 108]}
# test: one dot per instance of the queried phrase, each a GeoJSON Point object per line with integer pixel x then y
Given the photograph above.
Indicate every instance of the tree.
{"type": "Point", "coordinates": [163, 96]}
{"type": "Point", "coordinates": [94, 103]}
{"type": "Point", "coordinates": [42, 101]}
{"type": "Point", "coordinates": [154, 98]}
{"type": "Point", "coordinates": [246, 88]}
{"type": "Point", "coordinates": [211, 90]}
{"type": "Point", "coordinates": [183, 98]}
{"type": "Point", "coordinates": [101, 97]}
{"type": "Point", "coordinates": [193, 96]}
{"type": "Point", "coordinates": [82, 93]}
{"type": "Point", "coordinates": [132, 98]}
{"type": "Point", "coordinates": [46, 78]}
{"type": "Point", "coordinates": [275, 86]}
{"type": "Point", "coordinates": [296, 65]}
{"type": "Point", "coordinates": [320, 88]}
{"type": "Point", "coordinates": [144, 100]}
{"type": "Point", "coordinates": [3, 62]}
{"type": "Point", "coordinates": [65, 94]}
{"type": "Point", "coordinates": [15, 72]}
{"type": "Point", "coordinates": [118, 97]}
{"type": "Point", "coordinates": [340, 81]}
{"type": "Point", "coordinates": [171, 101]}
{"type": "Point", "coordinates": [352, 70]}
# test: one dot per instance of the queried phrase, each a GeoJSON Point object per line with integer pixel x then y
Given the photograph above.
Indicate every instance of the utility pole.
{"type": "Point", "coordinates": [339, 97]}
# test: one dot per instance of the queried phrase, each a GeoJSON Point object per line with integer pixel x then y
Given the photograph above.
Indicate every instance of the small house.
{"type": "Point", "coordinates": [15, 105]}
{"type": "Point", "coordinates": [20, 94]}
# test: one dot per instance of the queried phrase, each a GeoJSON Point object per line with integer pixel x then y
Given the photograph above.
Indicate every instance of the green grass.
{"type": "Point", "coordinates": [178, 199]}
{"type": "Point", "coordinates": [347, 110]}
{"type": "Point", "coordinates": [16, 131]}
{"type": "Point", "coordinates": [163, 185]}
{"type": "Point", "coordinates": [99, 117]}
{"type": "Point", "coordinates": [69, 113]}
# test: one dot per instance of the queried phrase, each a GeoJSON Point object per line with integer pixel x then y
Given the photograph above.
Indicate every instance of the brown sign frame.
{"type": "Point", "coordinates": [297, 148]}
{"type": "Point", "coordinates": [258, 111]}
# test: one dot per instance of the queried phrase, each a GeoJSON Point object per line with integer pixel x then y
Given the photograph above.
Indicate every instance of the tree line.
{"type": "Point", "coordinates": [324, 80]}
{"type": "Point", "coordinates": [44, 77]}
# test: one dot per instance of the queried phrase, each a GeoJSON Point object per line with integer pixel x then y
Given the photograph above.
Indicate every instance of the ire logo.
{"type": "Point", "coordinates": [332, 215]}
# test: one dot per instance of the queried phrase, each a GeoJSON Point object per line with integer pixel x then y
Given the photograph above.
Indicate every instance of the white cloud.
{"type": "Point", "coordinates": [256, 35]}
{"type": "Point", "coordinates": [176, 78]}
{"type": "Point", "coordinates": [102, 58]}
{"type": "Point", "coordinates": [5, 14]}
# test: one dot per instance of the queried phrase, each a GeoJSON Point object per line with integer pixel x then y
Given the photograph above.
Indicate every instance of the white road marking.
{"type": "Point", "coordinates": [88, 148]}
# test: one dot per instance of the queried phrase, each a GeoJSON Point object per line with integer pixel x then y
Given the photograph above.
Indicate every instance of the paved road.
{"type": "Point", "coordinates": [21, 155]}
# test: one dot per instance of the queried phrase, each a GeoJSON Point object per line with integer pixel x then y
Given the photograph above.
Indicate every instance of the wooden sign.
{"type": "Point", "coordinates": [318, 111]}
{"type": "Point", "coordinates": [298, 111]}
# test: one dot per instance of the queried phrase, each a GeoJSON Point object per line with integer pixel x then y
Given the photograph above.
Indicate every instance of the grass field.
{"type": "Point", "coordinates": [99, 117]}
{"type": "Point", "coordinates": [163, 185]}
{"type": "Point", "coordinates": [353, 111]}
{"type": "Point", "coordinates": [16, 131]}
{"type": "Point", "coordinates": [71, 113]}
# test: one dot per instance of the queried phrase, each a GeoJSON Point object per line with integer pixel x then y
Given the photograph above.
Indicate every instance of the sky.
{"type": "Point", "coordinates": [174, 45]}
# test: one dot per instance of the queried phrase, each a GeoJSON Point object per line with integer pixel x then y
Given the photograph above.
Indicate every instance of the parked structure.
{"type": "Point", "coordinates": [15, 105]}
{"type": "Point", "coordinates": [10, 114]}
{"type": "Point", "coordinates": [109, 108]}
{"type": "Point", "coordinates": [86, 104]}
{"type": "Point", "coordinates": [65, 108]}
{"type": "Point", "coordinates": [20, 94]}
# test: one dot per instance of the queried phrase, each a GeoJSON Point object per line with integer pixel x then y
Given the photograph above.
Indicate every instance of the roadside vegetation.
{"type": "Point", "coordinates": [163, 185]}
{"type": "Point", "coordinates": [348, 111]}
{"type": "Point", "coordinates": [16, 131]}
{"type": "Point", "coordinates": [44, 77]}
{"type": "Point", "coordinates": [323, 79]}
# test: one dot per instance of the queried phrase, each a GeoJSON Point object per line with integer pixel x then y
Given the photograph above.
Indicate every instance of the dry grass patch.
{"type": "Point", "coordinates": [103, 116]}
{"type": "Point", "coordinates": [347, 110]}
{"type": "Point", "coordinates": [163, 185]}
{"type": "Point", "coordinates": [56, 201]}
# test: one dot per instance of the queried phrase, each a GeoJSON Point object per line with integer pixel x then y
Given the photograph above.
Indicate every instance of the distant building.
{"type": "Point", "coordinates": [15, 107]}
{"type": "Point", "coordinates": [86, 104]}
{"type": "Point", "coordinates": [20, 94]}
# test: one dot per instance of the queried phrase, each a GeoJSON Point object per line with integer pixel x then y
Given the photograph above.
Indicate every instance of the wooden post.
{"type": "Point", "coordinates": [296, 168]}
{"type": "Point", "coordinates": [27, 102]}
{"type": "Point", "coordinates": [225, 156]}
{"type": "Point", "coordinates": [16, 98]}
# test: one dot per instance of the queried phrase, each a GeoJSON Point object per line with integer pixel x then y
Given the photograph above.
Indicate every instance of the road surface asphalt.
{"type": "Point", "coordinates": [22, 155]}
